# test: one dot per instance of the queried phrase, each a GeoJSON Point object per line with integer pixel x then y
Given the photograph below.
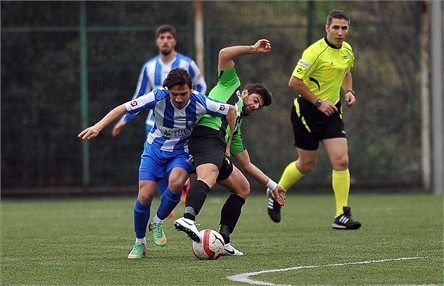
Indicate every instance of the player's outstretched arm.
{"type": "Point", "coordinates": [228, 54]}
{"type": "Point", "coordinates": [243, 158]}
{"type": "Point", "coordinates": [94, 130]}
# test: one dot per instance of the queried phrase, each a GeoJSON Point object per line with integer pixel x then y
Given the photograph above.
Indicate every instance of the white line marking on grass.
{"type": "Point", "coordinates": [245, 277]}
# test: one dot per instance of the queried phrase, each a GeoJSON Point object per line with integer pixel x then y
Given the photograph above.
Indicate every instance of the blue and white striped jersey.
{"type": "Point", "coordinates": [173, 126]}
{"type": "Point", "coordinates": [154, 72]}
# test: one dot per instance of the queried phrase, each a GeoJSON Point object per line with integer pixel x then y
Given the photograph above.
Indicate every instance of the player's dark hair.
{"type": "Point", "coordinates": [166, 28]}
{"type": "Point", "coordinates": [177, 76]}
{"type": "Point", "coordinates": [262, 90]}
{"type": "Point", "coordinates": [337, 14]}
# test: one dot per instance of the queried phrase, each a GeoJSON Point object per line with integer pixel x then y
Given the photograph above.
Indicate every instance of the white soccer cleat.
{"type": "Point", "coordinates": [189, 227]}
{"type": "Point", "coordinates": [231, 251]}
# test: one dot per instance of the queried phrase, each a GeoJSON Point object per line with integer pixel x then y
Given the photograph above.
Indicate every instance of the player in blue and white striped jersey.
{"type": "Point", "coordinates": [152, 75]}
{"type": "Point", "coordinates": [177, 110]}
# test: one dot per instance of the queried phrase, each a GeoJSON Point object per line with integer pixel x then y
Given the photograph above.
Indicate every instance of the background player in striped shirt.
{"type": "Point", "coordinates": [316, 115]}
{"type": "Point", "coordinates": [152, 75]}
{"type": "Point", "coordinates": [177, 110]}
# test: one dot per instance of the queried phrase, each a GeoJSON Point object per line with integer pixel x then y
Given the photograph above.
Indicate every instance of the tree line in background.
{"type": "Point", "coordinates": [40, 86]}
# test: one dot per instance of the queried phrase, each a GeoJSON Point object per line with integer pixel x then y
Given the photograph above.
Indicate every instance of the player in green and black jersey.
{"type": "Point", "coordinates": [208, 146]}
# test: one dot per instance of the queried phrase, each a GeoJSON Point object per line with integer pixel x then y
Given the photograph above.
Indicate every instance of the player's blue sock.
{"type": "Point", "coordinates": [168, 202]}
{"type": "Point", "coordinates": [141, 217]}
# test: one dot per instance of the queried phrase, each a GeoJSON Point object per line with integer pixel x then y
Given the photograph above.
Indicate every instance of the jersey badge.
{"type": "Point", "coordinates": [303, 64]}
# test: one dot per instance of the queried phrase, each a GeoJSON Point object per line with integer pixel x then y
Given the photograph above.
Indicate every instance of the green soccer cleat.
{"type": "Point", "coordinates": [137, 251]}
{"type": "Point", "coordinates": [159, 236]}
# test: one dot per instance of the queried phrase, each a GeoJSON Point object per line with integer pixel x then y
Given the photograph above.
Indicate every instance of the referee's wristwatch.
{"type": "Point", "coordinates": [318, 103]}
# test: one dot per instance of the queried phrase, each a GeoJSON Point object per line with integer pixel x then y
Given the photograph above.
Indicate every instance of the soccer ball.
{"type": "Point", "coordinates": [211, 246]}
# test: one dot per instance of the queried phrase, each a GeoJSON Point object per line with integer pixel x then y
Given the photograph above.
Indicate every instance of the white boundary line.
{"type": "Point", "coordinates": [245, 277]}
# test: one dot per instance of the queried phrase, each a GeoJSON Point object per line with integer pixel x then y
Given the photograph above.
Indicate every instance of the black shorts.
{"type": "Point", "coordinates": [310, 126]}
{"type": "Point", "coordinates": [207, 145]}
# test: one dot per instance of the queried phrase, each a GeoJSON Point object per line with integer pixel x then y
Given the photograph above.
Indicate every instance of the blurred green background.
{"type": "Point", "coordinates": [48, 95]}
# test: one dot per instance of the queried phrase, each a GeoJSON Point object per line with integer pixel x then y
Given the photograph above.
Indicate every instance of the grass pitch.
{"type": "Point", "coordinates": [86, 241]}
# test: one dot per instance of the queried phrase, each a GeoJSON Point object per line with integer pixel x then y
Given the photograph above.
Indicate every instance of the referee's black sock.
{"type": "Point", "coordinates": [196, 197]}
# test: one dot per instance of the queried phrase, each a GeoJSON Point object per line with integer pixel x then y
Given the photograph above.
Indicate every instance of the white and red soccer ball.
{"type": "Point", "coordinates": [211, 246]}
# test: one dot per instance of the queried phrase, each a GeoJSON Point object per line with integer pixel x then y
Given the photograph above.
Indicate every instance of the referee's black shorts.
{"type": "Point", "coordinates": [208, 145]}
{"type": "Point", "coordinates": [311, 126]}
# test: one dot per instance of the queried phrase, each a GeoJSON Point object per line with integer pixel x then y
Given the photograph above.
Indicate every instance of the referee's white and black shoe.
{"type": "Point", "coordinates": [345, 221]}
{"type": "Point", "coordinates": [274, 209]}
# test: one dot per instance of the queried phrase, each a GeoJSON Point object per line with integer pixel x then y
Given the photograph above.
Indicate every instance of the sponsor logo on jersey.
{"type": "Point", "coordinates": [133, 103]}
{"type": "Point", "coordinates": [222, 107]}
{"type": "Point", "coordinates": [175, 133]}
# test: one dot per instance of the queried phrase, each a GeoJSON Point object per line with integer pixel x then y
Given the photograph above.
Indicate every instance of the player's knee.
{"type": "Point", "coordinates": [241, 188]}
{"type": "Point", "coordinates": [340, 164]}
{"type": "Point", "coordinates": [144, 197]}
{"type": "Point", "coordinates": [245, 192]}
{"type": "Point", "coordinates": [208, 178]}
{"type": "Point", "coordinates": [147, 189]}
{"type": "Point", "coordinates": [175, 187]}
{"type": "Point", "coordinates": [306, 166]}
